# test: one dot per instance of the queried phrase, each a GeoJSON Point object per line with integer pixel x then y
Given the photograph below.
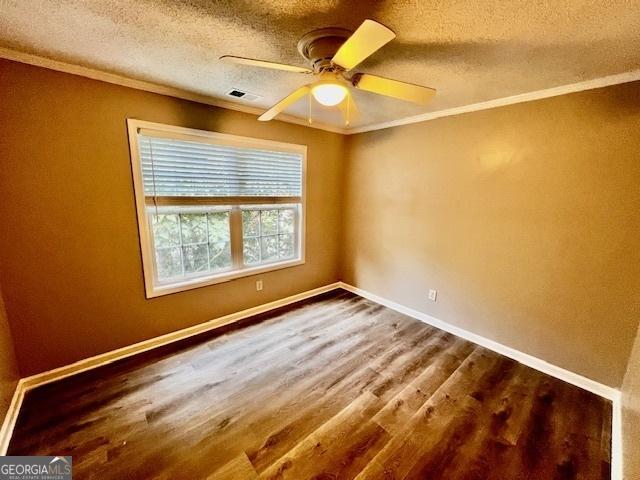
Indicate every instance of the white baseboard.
{"type": "Point", "coordinates": [529, 360]}
{"type": "Point", "coordinates": [108, 357]}
{"type": "Point", "coordinates": [11, 417]}
{"type": "Point", "coordinates": [617, 457]}
{"type": "Point", "coordinates": [33, 381]}
{"type": "Point", "coordinates": [28, 383]}
{"type": "Point", "coordinates": [524, 358]}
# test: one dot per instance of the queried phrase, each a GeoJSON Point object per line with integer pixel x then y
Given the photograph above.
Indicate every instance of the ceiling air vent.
{"type": "Point", "coordinates": [237, 93]}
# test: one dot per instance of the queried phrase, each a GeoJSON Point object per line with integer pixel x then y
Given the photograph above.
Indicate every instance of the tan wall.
{"type": "Point", "coordinates": [631, 414]}
{"type": "Point", "coordinates": [8, 368]}
{"type": "Point", "coordinates": [71, 269]}
{"type": "Point", "coordinates": [525, 218]}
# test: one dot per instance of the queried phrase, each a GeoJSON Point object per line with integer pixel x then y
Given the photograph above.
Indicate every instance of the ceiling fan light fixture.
{"type": "Point", "coordinates": [329, 94]}
{"type": "Point", "coordinates": [331, 53]}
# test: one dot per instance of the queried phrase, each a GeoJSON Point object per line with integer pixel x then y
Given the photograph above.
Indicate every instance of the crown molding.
{"type": "Point", "coordinates": [502, 102]}
{"type": "Point", "coordinates": [113, 78]}
{"type": "Point", "coordinates": [123, 81]}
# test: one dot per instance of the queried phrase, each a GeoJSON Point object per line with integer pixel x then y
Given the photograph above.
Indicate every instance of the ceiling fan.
{"type": "Point", "coordinates": [333, 53]}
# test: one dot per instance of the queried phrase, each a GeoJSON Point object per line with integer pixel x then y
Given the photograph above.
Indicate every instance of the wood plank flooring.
{"type": "Point", "coordinates": [337, 387]}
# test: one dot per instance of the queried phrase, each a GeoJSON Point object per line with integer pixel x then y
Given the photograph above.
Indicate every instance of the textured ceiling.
{"type": "Point", "coordinates": [469, 50]}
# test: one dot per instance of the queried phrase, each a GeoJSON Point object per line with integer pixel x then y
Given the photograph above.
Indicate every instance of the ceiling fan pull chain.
{"type": "Point", "coordinates": [310, 100]}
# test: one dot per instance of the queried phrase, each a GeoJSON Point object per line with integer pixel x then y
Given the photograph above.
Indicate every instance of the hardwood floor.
{"type": "Point", "coordinates": [333, 388]}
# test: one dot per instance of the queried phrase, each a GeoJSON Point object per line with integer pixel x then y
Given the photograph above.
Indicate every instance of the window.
{"type": "Point", "coordinates": [268, 234]}
{"type": "Point", "coordinates": [214, 207]}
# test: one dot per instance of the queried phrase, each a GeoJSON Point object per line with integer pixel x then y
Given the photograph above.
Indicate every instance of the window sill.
{"type": "Point", "coordinates": [153, 291]}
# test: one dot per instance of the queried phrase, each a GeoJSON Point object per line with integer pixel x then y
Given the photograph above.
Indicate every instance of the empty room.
{"type": "Point", "coordinates": [320, 240]}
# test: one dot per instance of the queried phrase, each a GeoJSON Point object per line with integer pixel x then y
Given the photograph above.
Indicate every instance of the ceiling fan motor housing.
{"type": "Point", "coordinates": [333, 53]}
{"type": "Point", "coordinates": [319, 46]}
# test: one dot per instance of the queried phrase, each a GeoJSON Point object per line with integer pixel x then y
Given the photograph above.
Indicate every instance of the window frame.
{"type": "Point", "coordinates": [154, 288]}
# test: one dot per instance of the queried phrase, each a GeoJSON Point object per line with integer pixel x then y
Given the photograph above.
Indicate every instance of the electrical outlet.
{"type": "Point", "coordinates": [433, 295]}
{"type": "Point", "coordinates": [258, 285]}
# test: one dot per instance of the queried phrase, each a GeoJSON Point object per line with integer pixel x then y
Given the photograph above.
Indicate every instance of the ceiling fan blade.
{"type": "Point", "coordinates": [393, 88]}
{"type": "Point", "coordinates": [368, 38]}
{"type": "Point", "coordinates": [284, 103]}
{"type": "Point", "coordinates": [264, 64]}
{"type": "Point", "coordinates": [349, 109]}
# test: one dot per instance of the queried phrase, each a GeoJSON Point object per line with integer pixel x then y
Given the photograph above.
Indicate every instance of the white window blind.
{"type": "Point", "coordinates": [214, 207]}
{"type": "Point", "coordinates": [182, 168]}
